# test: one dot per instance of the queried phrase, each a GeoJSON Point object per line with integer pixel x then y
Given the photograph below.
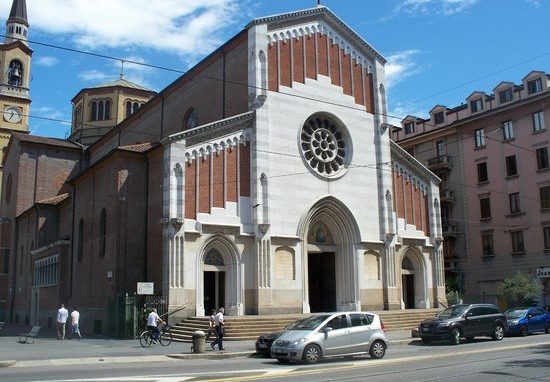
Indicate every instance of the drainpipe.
{"type": "Point", "coordinates": [13, 282]}
{"type": "Point", "coordinates": [71, 252]}
{"type": "Point", "coordinates": [146, 228]}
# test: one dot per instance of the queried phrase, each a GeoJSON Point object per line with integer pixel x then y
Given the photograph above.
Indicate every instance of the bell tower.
{"type": "Point", "coordinates": [15, 63]}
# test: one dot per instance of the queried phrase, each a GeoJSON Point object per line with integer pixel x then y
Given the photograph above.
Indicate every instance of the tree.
{"type": "Point", "coordinates": [520, 289]}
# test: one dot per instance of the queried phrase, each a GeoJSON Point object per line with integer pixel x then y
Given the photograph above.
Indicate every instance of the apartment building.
{"type": "Point", "coordinates": [491, 153]}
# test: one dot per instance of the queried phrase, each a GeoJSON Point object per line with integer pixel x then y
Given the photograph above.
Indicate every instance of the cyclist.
{"type": "Point", "coordinates": [153, 320]}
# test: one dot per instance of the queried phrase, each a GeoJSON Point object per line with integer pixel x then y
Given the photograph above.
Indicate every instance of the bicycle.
{"type": "Point", "coordinates": [146, 337]}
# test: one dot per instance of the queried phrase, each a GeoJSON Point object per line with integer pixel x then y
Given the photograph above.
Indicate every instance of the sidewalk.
{"type": "Point", "coordinates": [47, 350]}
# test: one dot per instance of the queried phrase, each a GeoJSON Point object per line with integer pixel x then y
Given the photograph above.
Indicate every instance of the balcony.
{"type": "Point", "coordinates": [442, 162]}
{"type": "Point", "coordinates": [14, 91]}
{"type": "Point", "coordinates": [447, 196]}
{"type": "Point", "coordinates": [449, 230]}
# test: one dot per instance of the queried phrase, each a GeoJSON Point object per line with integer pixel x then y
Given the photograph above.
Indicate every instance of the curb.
{"type": "Point", "coordinates": [212, 355]}
{"type": "Point", "coordinates": [8, 363]}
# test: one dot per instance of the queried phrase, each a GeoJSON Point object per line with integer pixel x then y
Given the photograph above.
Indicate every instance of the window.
{"type": "Point", "coordinates": [515, 207]}
{"type": "Point", "coordinates": [487, 242]}
{"type": "Point", "coordinates": [191, 119]}
{"type": "Point", "coordinates": [128, 108]}
{"type": "Point", "coordinates": [93, 115]}
{"type": "Point", "coordinates": [102, 231]}
{"type": "Point", "coordinates": [507, 130]}
{"type": "Point", "coordinates": [46, 271]}
{"type": "Point", "coordinates": [80, 247]}
{"type": "Point", "coordinates": [544, 197]}
{"type": "Point", "coordinates": [440, 148]}
{"type": "Point", "coordinates": [482, 175]}
{"type": "Point", "coordinates": [358, 319]}
{"type": "Point", "coordinates": [107, 114]}
{"type": "Point", "coordinates": [409, 127]}
{"type": "Point", "coordinates": [476, 105]}
{"type": "Point", "coordinates": [439, 118]}
{"type": "Point", "coordinates": [538, 121]}
{"type": "Point", "coordinates": [542, 158]}
{"type": "Point", "coordinates": [135, 107]}
{"type": "Point", "coordinates": [100, 110]}
{"type": "Point", "coordinates": [511, 166]}
{"type": "Point", "coordinates": [534, 86]}
{"type": "Point", "coordinates": [480, 138]}
{"type": "Point", "coordinates": [546, 233]}
{"type": "Point", "coordinates": [485, 206]}
{"type": "Point", "coordinates": [505, 95]}
{"type": "Point", "coordinates": [517, 242]}
{"type": "Point", "coordinates": [338, 322]}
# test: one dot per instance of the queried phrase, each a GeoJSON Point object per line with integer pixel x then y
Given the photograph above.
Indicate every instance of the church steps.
{"type": "Point", "coordinates": [248, 328]}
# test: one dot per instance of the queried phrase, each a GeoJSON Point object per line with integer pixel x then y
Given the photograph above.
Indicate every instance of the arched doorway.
{"type": "Point", "coordinates": [213, 281]}
{"type": "Point", "coordinates": [219, 276]}
{"type": "Point", "coordinates": [330, 279]}
{"type": "Point", "coordinates": [407, 283]}
{"type": "Point", "coordinates": [414, 294]}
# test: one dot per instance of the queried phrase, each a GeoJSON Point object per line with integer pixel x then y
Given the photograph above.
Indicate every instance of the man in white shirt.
{"type": "Point", "coordinates": [218, 324]}
{"type": "Point", "coordinates": [75, 319]}
{"type": "Point", "coordinates": [152, 324]}
{"type": "Point", "coordinates": [62, 315]}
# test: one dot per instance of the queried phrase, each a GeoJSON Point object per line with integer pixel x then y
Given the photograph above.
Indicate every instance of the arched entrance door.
{"type": "Point", "coordinates": [407, 283]}
{"type": "Point", "coordinates": [214, 271]}
{"type": "Point", "coordinates": [321, 268]}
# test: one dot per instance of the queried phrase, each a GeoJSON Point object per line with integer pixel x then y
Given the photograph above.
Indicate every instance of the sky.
{"type": "Point", "coordinates": [438, 51]}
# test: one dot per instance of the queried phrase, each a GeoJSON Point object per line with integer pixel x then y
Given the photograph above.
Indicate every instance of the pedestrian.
{"type": "Point", "coordinates": [219, 326]}
{"type": "Point", "coordinates": [75, 320]}
{"type": "Point", "coordinates": [211, 327]}
{"type": "Point", "coordinates": [62, 315]}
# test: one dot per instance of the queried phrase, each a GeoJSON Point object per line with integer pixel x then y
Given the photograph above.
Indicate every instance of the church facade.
{"type": "Point", "coordinates": [263, 180]}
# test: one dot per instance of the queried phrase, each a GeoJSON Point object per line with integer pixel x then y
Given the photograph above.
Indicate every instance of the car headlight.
{"type": "Point", "coordinates": [298, 342]}
{"type": "Point", "coordinates": [443, 324]}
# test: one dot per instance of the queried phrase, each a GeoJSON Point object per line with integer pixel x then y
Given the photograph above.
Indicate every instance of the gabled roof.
{"type": "Point", "coordinates": [54, 200]}
{"type": "Point", "coordinates": [438, 107]}
{"type": "Point", "coordinates": [476, 92]}
{"type": "Point", "coordinates": [502, 83]}
{"type": "Point", "coordinates": [327, 15]}
{"type": "Point", "coordinates": [138, 148]}
{"type": "Point", "coordinates": [531, 73]}
{"type": "Point", "coordinates": [36, 139]}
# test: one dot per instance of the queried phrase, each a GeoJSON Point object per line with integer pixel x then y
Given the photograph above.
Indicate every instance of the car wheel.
{"type": "Point", "coordinates": [282, 360]}
{"type": "Point", "coordinates": [469, 338]}
{"type": "Point", "coordinates": [523, 331]}
{"type": "Point", "coordinates": [312, 354]}
{"type": "Point", "coordinates": [455, 336]}
{"type": "Point", "coordinates": [377, 349]}
{"type": "Point", "coordinates": [426, 340]}
{"type": "Point", "coordinates": [547, 329]}
{"type": "Point", "coordinates": [498, 333]}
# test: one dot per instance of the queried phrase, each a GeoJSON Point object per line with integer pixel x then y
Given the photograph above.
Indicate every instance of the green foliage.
{"type": "Point", "coordinates": [520, 289]}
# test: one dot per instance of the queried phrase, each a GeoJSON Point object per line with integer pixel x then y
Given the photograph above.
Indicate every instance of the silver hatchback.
{"type": "Point", "coordinates": [326, 335]}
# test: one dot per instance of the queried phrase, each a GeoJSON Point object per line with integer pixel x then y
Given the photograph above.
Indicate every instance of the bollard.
{"type": "Point", "coordinates": [198, 341]}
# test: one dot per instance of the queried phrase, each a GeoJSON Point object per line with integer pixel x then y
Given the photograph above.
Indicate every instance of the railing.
{"type": "Point", "coordinates": [440, 161]}
{"type": "Point", "coordinates": [449, 229]}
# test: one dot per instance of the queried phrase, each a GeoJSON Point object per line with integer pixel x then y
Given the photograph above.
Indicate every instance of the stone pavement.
{"type": "Point", "coordinates": [47, 350]}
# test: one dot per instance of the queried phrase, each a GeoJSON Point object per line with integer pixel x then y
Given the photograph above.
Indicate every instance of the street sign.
{"type": "Point", "coordinates": [145, 288]}
{"type": "Point", "coordinates": [543, 273]}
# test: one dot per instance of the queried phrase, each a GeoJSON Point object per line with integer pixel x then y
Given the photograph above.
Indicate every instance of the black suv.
{"type": "Point", "coordinates": [464, 320]}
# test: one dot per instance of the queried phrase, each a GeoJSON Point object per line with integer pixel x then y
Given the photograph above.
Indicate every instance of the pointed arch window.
{"type": "Point", "coordinates": [102, 231]}
{"type": "Point", "coordinates": [93, 116]}
{"type": "Point", "coordinates": [80, 242]}
{"type": "Point", "coordinates": [191, 119]}
{"type": "Point", "coordinates": [15, 73]}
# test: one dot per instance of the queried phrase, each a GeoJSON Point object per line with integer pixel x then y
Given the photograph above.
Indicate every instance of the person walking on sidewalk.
{"type": "Point", "coordinates": [62, 315]}
{"type": "Point", "coordinates": [75, 319]}
{"type": "Point", "coordinates": [211, 326]}
{"type": "Point", "coordinates": [219, 326]}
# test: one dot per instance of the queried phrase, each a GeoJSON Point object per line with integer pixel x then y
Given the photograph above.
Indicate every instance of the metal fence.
{"type": "Point", "coordinates": [129, 313]}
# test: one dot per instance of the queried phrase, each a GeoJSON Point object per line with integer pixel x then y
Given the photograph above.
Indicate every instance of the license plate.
{"type": "Point", "coordinates": [262, 346]}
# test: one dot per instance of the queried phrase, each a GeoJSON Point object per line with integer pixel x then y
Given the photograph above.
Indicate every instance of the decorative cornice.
{"type": "Point", "coordinates": [213, 129]}
{"type": "Point", "coordinates": [412, 161]}
{"type": "Point", "coordinates": [209, 147]}
{"type": "Point", "coordinates": [281, 21]}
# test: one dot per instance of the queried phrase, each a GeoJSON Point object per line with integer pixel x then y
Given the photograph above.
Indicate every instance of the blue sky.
{"type": "Point", "coordinates": [439, 51]}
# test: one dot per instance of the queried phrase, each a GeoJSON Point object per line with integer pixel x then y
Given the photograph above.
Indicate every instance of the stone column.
{"type": "Point", "coordinates": [438, 274]}
{"type": "Point", "coordinates": [393, 300]}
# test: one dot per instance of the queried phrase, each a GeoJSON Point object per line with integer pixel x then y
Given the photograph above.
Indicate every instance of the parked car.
{"type": "Point", "coordinates": [523, 321]}
{"type": "Point", "coordinates": [265, 341]}
{"type": "Point", "coordinates": [326, 335]}
{"type": "Point", "coordinates": [464, 320]}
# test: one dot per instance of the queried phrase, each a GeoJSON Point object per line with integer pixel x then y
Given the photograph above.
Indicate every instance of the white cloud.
{"type": "Point", "coordinates": [534, 3]}
{"type": "Point", "coordinates": [95, 75]}
{"type": "Point", "coordinates": [429, 7]}
{"type": "Point", "coordinates": [400, 66]}
{"type": "Point", "coordinates": [190, 27]}
{"type": "Point", "coordinates": [48, 112]}
{"type": "Point", "coordinates": [399, 110]}
{"type": "Point", "coordinates": [46, 61]}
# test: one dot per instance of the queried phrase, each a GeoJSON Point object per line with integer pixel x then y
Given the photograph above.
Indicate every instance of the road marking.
{"type": "Point", "coordinates": [372, 363]}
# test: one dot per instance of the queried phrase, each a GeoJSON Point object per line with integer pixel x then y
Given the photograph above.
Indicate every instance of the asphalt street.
{"type": "Point", "coordinates": [513, 359]}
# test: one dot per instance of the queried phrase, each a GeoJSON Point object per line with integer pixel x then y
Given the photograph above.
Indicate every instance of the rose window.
{"type": "Point", "coordinates": [323, 146]}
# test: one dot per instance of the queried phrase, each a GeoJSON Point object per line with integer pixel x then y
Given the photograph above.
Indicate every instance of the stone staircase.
{"type": "Point", "coordinates": [246, 328]}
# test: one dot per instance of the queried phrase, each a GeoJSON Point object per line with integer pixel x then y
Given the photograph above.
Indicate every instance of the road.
{"type": "Point", "coordinates": [513, 359]}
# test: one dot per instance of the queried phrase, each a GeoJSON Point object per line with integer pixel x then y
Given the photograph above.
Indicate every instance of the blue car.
{"type": "Point", "coordinates": [523, 321]}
